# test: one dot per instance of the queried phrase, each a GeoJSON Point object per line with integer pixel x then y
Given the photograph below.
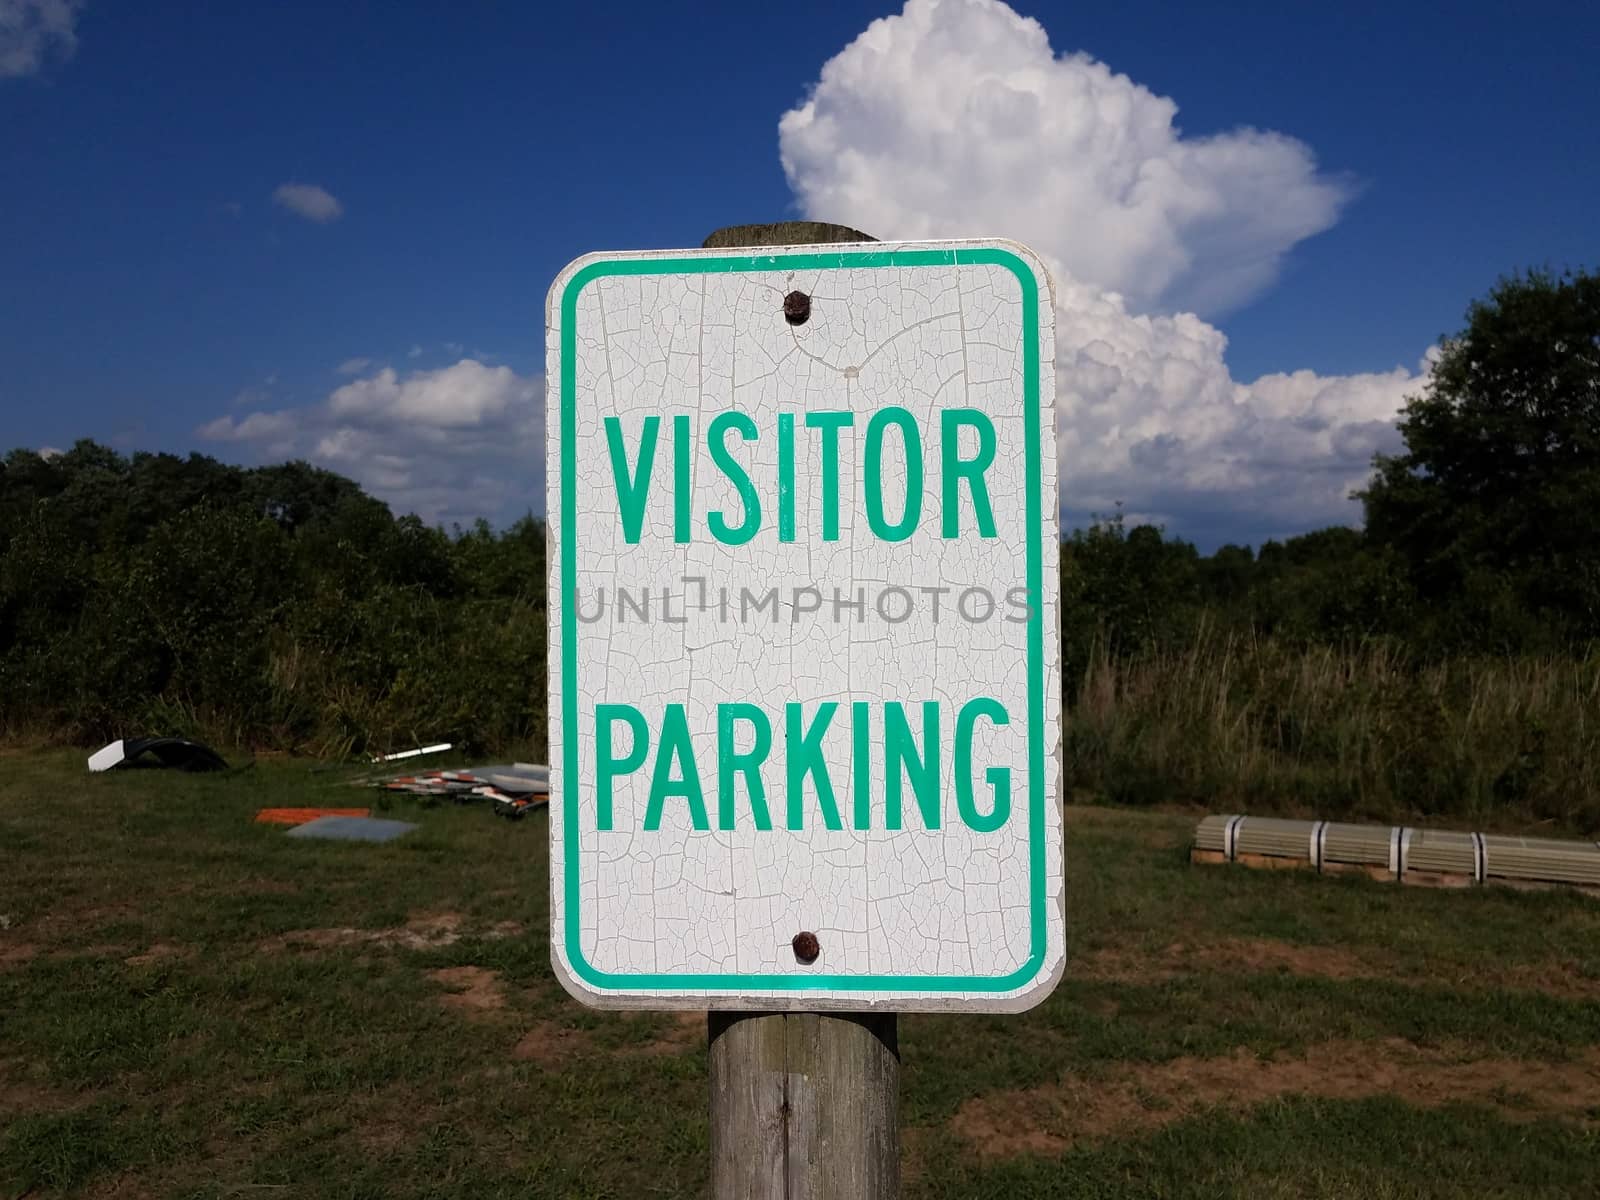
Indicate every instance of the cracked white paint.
{"type": "Point", "coordinates": [914, 918]}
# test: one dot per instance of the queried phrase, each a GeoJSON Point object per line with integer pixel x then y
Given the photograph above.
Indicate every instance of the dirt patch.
{"type": "Point", "coordinates": [66, 922]}
{"type": "Point", "coordinates": [1562, 978]}
{"type": "Point", "coordinates": [472, 990]}
{"type": "Point", "coordinates": [913, 1154]}
{"type": "Point", "coordinates": [70, 919]}
{"type": "Point", "coordinates": [16, 953]}
{"type": "Point", "coordinates": [21, 1094]}
{"type": "Point", "coordinates": [685, 1031]}
{"type": "Point", "coordinates": [389, 1120]}
{"type": "Point", "coordinates": [126, 1186]}
{"type": "Point", "coordinates": [1013, 1125]}
{"type": "Point", "coordinates": [550, 1045]}
{"type": "Point", "coordinates": [267, 887]}
{"type": "Point", "coordinates": [1102, 1006]}
{"type": "Point", "coordinates": [1049, 1120]}
{"type": "Point", "coordinates": [423, 931]}
{"type": "Point", "coordinates": [1261, 956]}
{"type": "Point", "coordinates": [156, 953]}
{"type": "Point", "coordinates": [392, 1119]}
{"type": "Point", "coordinates": [385, 1137]}
{"type": "Point", "coordinates": [1245, 956]}
{"type": "Point", "coordinates": [98, 950]}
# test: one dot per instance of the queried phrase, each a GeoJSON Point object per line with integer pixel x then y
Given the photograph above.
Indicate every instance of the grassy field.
{"type": "Point", "coordinates": [195, 1005]}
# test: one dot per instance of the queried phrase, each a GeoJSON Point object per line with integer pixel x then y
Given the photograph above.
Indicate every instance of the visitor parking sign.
{"type": "Point", "coordinates": [803, 594]}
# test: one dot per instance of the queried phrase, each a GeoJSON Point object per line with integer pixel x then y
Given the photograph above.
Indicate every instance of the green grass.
{"type": "Point", "coordinates": [233, 1059]}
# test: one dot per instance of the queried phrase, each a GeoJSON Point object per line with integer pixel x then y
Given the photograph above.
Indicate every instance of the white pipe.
{"type": "Point", "coordinates": [442, 746]}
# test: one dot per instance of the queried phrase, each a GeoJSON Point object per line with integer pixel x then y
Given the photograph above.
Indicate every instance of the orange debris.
{"type": "Point", "coordinates": [299, 816]}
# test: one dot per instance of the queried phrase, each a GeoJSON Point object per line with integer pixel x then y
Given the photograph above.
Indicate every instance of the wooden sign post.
{"type": "Point", "coordinates": [804, 687]}
{"type": "Point", "coordinates": [803, 1104]}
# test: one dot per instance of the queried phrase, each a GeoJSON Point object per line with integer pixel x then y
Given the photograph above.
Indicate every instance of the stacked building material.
{"type": "Point", "coordinates": [1365, 849]}
{"type": "Point", "coordinates": [512, 788]}
{"type": "Point", "coordinates": [1545, 860]}
{"type": "Point", "coordinates": [1441, 857]}
{"type": "Point", "coordinates": [1257, 841]}
{"type": "Point", "coordinates": [1435, 857]}
{"type": "Point", "coordinates": [1269, 842]}
{"type": "Point", "coordinates": [1213, 840]}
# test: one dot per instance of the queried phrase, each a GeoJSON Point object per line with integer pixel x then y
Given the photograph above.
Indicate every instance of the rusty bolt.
{"type": "Point", "coordinates": [806, 946]}
{"type": "Point", "coordinates": [797, 308]}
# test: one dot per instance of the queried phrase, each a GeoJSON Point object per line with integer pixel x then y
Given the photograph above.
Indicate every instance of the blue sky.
{"type": "Point", "coordinates": [155, 295]}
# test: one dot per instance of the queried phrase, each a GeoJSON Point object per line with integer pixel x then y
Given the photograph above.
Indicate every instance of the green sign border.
{"type": "Point", "coordinates": [703, 265]}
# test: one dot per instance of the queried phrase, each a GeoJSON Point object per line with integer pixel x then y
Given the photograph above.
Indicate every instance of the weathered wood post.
{"type": "Point", "coordinates": [804, 1106]}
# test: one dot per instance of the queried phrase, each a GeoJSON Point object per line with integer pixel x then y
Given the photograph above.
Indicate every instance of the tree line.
{"type": "Point", "coordinates": [283, 607]}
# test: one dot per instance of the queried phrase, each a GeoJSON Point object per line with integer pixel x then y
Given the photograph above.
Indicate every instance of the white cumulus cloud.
{"type": "Point", "coordinates": [31, 31]}
{"type": "Point", "coordinates": [451, 444]}
{"type": "Point", "coordinates": [309, 201]}
{"type": "Point", "coordinates": [956, 118]}
{"type": "Point", "coordinates": [1147, 413]}
{"type": "Point", "coordinates": [466, 395]}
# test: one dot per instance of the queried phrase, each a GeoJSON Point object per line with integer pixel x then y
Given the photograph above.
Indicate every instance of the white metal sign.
{"type": "Point", "coordinates": [803, 587]}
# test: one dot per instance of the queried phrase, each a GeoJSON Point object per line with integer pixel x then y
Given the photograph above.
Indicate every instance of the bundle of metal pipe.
{"type": "Point", "coordinates": [1420, 856]}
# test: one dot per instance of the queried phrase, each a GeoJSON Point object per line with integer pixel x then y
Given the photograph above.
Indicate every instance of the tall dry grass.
{"type": "Point", "coordinates": [1248, 722]}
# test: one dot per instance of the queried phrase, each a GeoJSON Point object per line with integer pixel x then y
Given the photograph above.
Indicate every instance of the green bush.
{"type": "Point", "coordinates": [279, 608]}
